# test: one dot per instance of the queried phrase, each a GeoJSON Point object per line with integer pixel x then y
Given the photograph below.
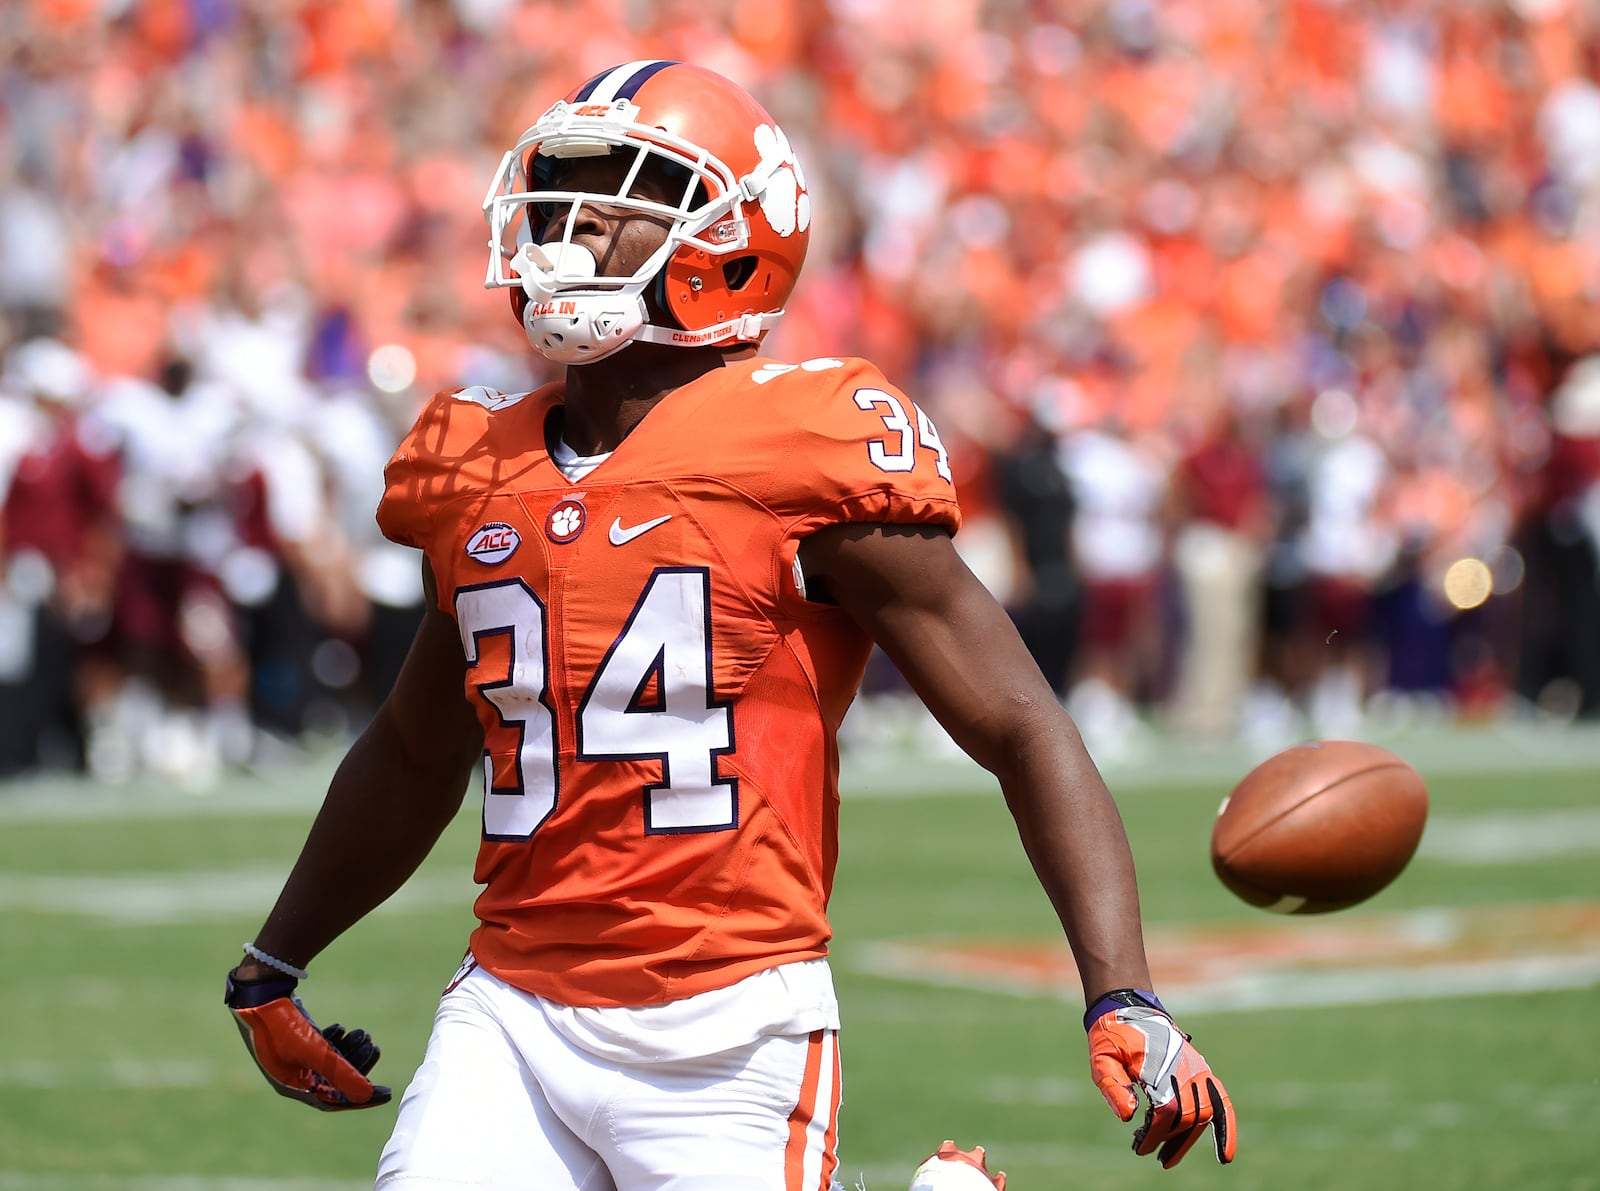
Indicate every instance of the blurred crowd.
{"type": "Point", "coordinates": [1266, 334]}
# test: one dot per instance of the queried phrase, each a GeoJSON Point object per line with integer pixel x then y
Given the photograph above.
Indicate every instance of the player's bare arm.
{"type": "Point", "coordinates": [389, 801]}
{"type": "Point", "coordinates": [909, 589]}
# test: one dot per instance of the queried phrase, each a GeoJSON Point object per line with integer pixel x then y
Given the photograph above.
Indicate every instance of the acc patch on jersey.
{"type": "Point", "coordinates": [493, 543]}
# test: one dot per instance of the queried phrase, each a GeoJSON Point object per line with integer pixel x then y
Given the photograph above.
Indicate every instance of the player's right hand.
{"type": "Point", "coordinates": [326, 1069]}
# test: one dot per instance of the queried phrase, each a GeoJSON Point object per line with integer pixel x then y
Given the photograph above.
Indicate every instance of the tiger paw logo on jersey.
{"type": "Point", "coordinates": [772, 371]}
{"type": "Point", "coordinates": [566, 521]}
{"type": "Point", "coordinates": [493, 543]}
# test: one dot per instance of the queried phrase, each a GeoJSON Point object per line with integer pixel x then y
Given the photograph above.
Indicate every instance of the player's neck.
{"type": "Point", "coordinates": [604, 401]}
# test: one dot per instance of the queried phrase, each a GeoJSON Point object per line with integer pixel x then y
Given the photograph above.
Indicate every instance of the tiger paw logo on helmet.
{"type": "Point", "coordinates": [784, 202]}
{"type": "Point", "coordinates": [740, 215]}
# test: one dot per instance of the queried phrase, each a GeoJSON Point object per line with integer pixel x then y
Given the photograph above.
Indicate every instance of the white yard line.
{"type": "Point", "coordinates": [134, 899]}
{"type": "Point", "coordinates": [1447, 752]}
{"type": "Point", "coordinates": [1511, 837]}
{"type": "Point", "coordinates": [919, 771]}
{"type": "Point", "coordinates": [68, 800]}
{"type": "Point", "coordinates": [158, 899]}
{"type": "Point", "coordinates": [1284, 990]}
{"type": "Point", "coordinates": [129, 1074]}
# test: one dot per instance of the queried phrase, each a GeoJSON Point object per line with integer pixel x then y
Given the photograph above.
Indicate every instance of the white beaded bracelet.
{"type": "Point", "coordinates": [273, 961]}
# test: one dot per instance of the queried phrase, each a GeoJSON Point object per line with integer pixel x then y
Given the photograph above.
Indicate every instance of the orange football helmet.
{"type": "Point", "coordinates": [739, 229]}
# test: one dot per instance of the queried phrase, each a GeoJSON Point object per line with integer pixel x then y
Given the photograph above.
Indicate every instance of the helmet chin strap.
{"type": "Point", "coordinates": [742, 329]}
{"type": "Point", "coordinates": [584, 328]}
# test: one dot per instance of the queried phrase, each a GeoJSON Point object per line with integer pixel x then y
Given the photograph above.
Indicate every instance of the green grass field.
{"type": "Point", "coordinates": [1450, 1042]}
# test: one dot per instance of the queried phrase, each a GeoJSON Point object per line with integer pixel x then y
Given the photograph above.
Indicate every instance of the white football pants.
{"type": "Point", "coordinates": [505, 1101]}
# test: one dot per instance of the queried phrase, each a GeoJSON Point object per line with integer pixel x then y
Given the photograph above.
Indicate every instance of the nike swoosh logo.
{"type": "Point", "coordinates": [621, 537]}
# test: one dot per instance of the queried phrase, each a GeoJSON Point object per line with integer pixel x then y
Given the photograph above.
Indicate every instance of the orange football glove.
{"type": "Point", "coordinates": [1134, 1044]}
{"type": "Point", "coordinates": [326, 1069]}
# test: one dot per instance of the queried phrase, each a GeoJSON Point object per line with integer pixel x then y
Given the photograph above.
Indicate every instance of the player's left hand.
{"type": "Point", "coordinates": [326, 1069]}
{"type": "Point", "coordinates": [1133, 1045]}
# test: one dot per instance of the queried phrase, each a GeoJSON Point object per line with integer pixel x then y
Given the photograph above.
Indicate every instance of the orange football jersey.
{"type": "Point", "coordinates": [660, 702]}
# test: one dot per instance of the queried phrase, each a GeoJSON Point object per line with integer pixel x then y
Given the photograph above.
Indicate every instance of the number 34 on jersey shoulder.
{"type": "Point", "coordinates": [895, 452]}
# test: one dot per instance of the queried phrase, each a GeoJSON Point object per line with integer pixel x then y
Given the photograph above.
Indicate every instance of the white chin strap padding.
{"type": "Point", "coordinates": [544, 268]}
{"type": "Point", "coordinates": [569, 328]}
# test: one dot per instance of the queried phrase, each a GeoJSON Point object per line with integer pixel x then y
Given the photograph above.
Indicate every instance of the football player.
{"type": "Point", "coordinates": [653, 588]}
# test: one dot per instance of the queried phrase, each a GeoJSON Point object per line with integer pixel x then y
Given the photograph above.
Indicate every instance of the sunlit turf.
{"type": "Point", "coordinates": [119, 1068]}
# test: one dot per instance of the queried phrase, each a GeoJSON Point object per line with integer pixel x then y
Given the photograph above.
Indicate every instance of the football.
{"type": "Point", "coordinates": [1319, 827]}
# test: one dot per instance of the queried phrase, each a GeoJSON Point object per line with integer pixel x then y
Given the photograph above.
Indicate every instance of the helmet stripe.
{"type": "Point", "coordinates": [621, 82]}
